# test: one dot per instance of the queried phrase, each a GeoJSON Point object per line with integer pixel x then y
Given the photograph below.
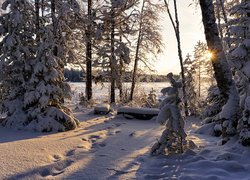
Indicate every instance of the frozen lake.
{"type": "Point", "coordinates": [101, 91]}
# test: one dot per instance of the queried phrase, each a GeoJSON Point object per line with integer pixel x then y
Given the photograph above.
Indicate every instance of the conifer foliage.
{"type": "Point", "coordinates": [32, 61]}
{"type": "Point", "coordinates": [239, 58]}
{"type": "Point", "coordinates": [173, 137]}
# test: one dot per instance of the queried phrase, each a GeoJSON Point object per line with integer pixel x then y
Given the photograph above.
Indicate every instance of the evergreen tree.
{"type": "Point", "coordinates": [36, 69]}
{"type": "Point", "coordinates": [239, 55]}
{"type": "Point", "coordinates": [17, 29]}
{"type": "Point", "coordinates": [192, 100]}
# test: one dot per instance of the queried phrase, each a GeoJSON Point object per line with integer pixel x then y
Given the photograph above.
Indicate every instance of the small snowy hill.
{"type": "Point", "coordinates": [112, 147]}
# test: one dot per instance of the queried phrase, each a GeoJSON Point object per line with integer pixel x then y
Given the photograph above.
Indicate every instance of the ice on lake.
{"type": "Point", "coordinates": [101, 91]}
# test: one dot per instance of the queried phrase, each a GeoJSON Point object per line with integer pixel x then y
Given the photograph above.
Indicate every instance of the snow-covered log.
{"type": "Point", "coordinates": [138, 113]}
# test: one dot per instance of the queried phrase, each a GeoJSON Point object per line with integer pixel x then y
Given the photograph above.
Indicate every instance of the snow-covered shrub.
{"type": "Point", "coordinates": [173, 137]}
{"type": "Point", "coordinates": [151, 101]}
{"type": "Point", "coordinates": [214, 103]}
{"type": "Point", "coordinates": [85, 102]}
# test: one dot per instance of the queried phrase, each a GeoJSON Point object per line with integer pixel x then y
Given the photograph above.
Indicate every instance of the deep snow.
{"type": "Point", "coordinates": [112, 147]}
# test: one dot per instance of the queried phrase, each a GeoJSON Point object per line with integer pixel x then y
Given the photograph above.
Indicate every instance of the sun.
{"type": "Point", "coordinates": [209, 55]}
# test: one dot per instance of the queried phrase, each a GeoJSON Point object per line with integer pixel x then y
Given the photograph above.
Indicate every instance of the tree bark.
{"type": "Point", "coordinates": [89, 53]}
{"type": "Point", "coordinates": [112, 58]}
{"type": "Point", "coordinates": [53, 17]}
{"type": "Point", "coordinates": [223, 75]}
{"type": "Point", "coordinates": [37, 15]}
{"type": "Point", "coordinates": [137, 55]}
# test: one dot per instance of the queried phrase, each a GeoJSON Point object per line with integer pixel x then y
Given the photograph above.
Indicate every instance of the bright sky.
{"type": "Point", "coordinates": [191, 31]}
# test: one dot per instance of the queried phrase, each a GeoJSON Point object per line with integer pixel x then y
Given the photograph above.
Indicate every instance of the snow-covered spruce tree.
{"type": "Point", "coordinates": [17, 29]}
{"type": "Point", "coordinates": [173, 137]}
{"type": "Point", "coordinates": [239, 55]}
{"type": "Point", "coordinates": [40, 105]}
{"type": "Point", "coordinates": [230, 111]}
{"type": "Point", "coordinates": [192, 100]}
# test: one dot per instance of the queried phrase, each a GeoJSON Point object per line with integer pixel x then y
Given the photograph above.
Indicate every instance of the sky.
{"type": "Point", "coordinates": [191, 31]}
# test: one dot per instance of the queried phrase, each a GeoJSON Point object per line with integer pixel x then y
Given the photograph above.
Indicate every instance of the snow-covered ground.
{"type": "Point", "coordinates": [112, 147]}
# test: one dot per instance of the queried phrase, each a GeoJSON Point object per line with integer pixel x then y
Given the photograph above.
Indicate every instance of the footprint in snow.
{"type": "Point", "coordinates": [84, 139]}
{"type": "Point", "coordinates": [96, 145]}
{"type": "Point", "coordinates": [133, 134]}
{"type": "Point", "coordinates": [102, 155]}
{"type": "Point", "coordinates": [114, 132]}
{"type": "Point", "coordinates": [55, 169]}
{"type": "Point", "coordinates": [118, 124]}
{"type": "Point", "coordinates": [57, 157]}
{"type": "Point", "coordinates": [102, 144]}
{"type": "Point", "coordinates": [71, 153]}
{"type": "Point", "coordinates": [95, 137]}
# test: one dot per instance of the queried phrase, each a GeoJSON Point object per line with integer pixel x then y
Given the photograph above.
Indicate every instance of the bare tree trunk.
{"type": "Point", "coordinates": [223, 76]}
{"type": "Point", "coordinates": [53, 10]}
{"type": "Point", "coordinates": [42, 8]}
{"type": "Point", "coordinates": [177, 34]}
{"type": "Point", "coordinates": [89, 53]}
{"type": "Point", "coordinates": [120, 78]}
{"type": "Point", "coordinates": [137, 55]}
{"type": "Point", "coordinates": [112, 58]}
{"type": "Point", "coordinates": [37, 15]}
{"type": "Point", "coordinates": [218, 8]}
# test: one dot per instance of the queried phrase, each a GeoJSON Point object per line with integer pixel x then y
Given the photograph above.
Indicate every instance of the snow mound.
{"type": "Point", "coordinates": [102, 109]}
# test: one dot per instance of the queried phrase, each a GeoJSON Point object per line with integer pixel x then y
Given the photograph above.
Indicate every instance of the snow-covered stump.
{"type": "Point", "coordinates": [138, 113]}
{"type": "Point", "coordinates": [102, 109]}
{"type": "Point", "coordinates": [173, 137]}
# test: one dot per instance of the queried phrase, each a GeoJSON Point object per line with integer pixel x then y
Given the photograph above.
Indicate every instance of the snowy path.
{"type": "Point", "coordinates": [102, 148]}
{"type": "Point", "coordinates": [109, 147]}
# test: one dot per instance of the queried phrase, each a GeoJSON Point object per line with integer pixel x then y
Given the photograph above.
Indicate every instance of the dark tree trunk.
{"type": "Point", "coordinates": [53, 11]}
{"type": "Point", "coordinates": [137, 55]}
{"type": "Point", "coordinates": [223, 75]}
{"type": "Point", "coordinates": [37, 15]}
{"type": "Point", "coordinates": [112, 58]}
{"type": "Point", "coordinates": [89, 53]}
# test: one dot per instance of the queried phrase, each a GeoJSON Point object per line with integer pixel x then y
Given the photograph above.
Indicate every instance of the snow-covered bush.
{"type": "Point", "coordinates": [151, 101]}
{"type": "Point", "coordinates": [173, 137]}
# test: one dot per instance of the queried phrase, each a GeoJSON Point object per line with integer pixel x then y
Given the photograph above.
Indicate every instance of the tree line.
{"type": "Point", "coordinates": [78, 75]}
